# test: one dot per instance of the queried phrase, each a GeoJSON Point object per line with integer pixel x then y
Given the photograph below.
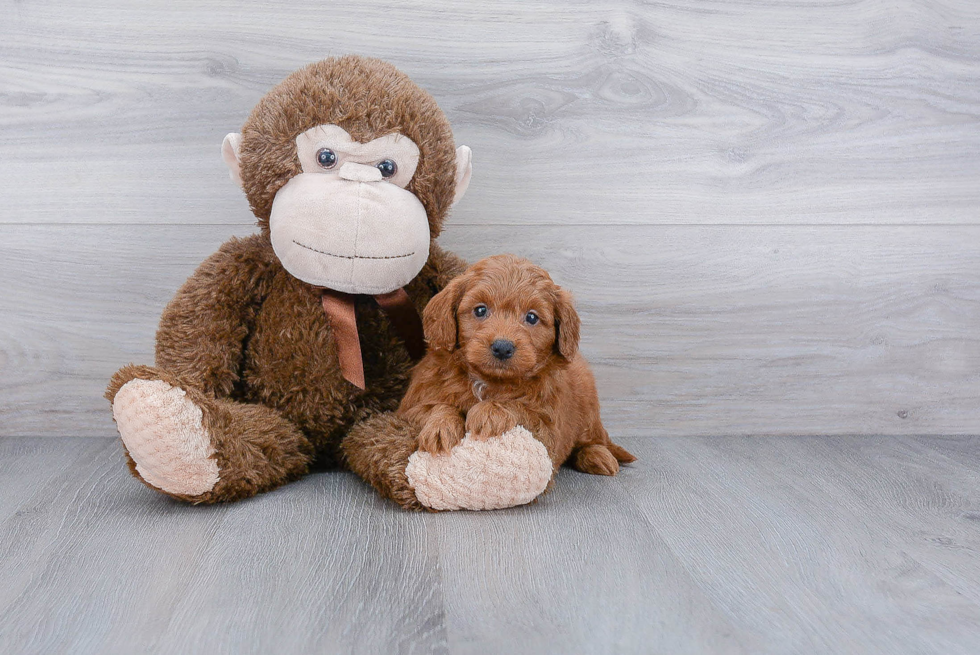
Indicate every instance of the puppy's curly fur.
{"type": "Point", "coordinates": [503, 351]}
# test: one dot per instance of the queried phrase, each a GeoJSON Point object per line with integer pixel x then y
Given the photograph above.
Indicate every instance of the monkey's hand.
{"type": "Point", "coordinates": [511, 469]}
{"type": "Point", "coordinates": [441, 430]}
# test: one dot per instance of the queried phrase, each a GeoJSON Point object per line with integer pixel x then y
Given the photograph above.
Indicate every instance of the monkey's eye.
{"type": "Point", "coordinates": [387, 168]}
{"type": "Point", "coordinates": [326, 157]}
{"type": "Point", "coordinates": [531, 318]}
{"type": "Point", "coordinates": [480, 311]}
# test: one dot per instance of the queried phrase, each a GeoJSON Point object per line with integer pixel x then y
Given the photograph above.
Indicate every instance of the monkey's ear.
{"type": "Point", "coordinates": [439, 316]}
{"type": "Point", "coordinates": [229, 152]}
{"type": "Point", "coordinates": [567, 325]}
{"type": "Point", "coordinates": [464, 169]}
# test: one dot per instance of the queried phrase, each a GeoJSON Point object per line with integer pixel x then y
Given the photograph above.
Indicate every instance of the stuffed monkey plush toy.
{"type": "Point", "coordinates": [291, 348]}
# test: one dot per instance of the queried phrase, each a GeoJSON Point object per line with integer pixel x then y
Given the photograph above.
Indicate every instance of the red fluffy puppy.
{"type": "Point", "coordinates": [503, 351]}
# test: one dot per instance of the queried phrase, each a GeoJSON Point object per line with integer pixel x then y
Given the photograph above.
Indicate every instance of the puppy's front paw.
{"type": "Point", "coordinates": [440, 433]}
{"type": "Point", "coordinates": [489, 419]}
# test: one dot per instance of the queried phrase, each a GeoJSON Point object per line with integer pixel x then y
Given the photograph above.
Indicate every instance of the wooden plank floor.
{"type": "Point", "coordinates": [705, 545]}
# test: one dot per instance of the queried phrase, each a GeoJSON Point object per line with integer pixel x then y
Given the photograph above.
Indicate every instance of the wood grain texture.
{"type": "Point", "coordinates": [768, 211]}
{"type": "Point", "coordinates": [691, 330]}
{"type": "Point", "coordinates": [109, 568]}
{"type": "Point", "coordinates": [704, 545]}
{"type": "Point", "coordinates": [843, 535]}
{"type": "Point", "coordinates": [816, 111]}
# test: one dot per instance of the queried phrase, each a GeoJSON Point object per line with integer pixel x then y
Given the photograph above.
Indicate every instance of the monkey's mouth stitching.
{"type": "Point", "coordinates": [330, 254]}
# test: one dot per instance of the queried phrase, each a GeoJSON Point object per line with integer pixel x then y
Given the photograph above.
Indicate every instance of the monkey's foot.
{"type": "Point", "coordinates": [512, 469]}
{"type": "Point", "coordinates": [165, 436]}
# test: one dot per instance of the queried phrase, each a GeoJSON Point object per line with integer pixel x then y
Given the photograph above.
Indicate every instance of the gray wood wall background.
{"type": "Point", "coordinates": [769, 211]}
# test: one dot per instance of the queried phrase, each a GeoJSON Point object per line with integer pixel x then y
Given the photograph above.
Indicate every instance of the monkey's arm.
{"type": "Point", "coordinates": [203, 328]}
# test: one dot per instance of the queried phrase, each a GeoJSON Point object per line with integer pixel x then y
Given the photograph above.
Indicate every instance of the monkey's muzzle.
{"type": "Point", "coordinates": [349, 235]}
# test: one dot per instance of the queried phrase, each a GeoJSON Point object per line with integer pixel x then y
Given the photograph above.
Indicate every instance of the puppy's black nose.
{"type": "Point", "coordinates": [502, 349]}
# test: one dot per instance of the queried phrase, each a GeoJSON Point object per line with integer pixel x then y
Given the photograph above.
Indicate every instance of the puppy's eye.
{"type": "Point", "coordinates": [531, 318]}
{"type": "Point", "coordinates": [326, 157]}
{"type": "Point", "coordinates": [480, 311]}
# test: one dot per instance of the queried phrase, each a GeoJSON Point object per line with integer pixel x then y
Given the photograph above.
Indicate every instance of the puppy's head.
{"type": "Point", "coordinates": [506, 317]}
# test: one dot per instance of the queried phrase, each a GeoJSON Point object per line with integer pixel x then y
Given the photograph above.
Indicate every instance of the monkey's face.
{"type": "Point", "coordinates": [347, 222]}
{"type": "Point", "coordinates": [353, 201]}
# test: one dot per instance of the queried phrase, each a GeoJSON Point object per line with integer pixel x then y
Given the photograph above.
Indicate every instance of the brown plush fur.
{"type": "Point", "coordinates": [250, 343]}
{"type": "Point", "coordinates": [378, 449]}
{"type": "Point", "coordinates": [255, 447]}
{"type": "Point", "coordinates": [546, 385]}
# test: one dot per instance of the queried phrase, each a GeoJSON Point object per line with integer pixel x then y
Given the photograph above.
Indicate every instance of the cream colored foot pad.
{"type": "Point", "coordinates": [512, 469]}
{"type": "Point", "coordinates": [164, 435]}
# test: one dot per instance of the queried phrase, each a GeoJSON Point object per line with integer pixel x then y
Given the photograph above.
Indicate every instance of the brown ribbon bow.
{"type": "Point", "coordinates": [401, 313]}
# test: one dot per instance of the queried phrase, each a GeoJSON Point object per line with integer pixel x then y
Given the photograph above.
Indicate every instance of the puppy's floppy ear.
{"type": "Point", "coordinates": [439, 316]}
{"type": "Point", "coordinates": [566, 325]}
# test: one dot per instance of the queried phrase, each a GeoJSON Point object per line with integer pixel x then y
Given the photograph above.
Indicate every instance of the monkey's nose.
{"type": "Point", "coordinates": [502, 349]}
{"type": "Point", "coordinates": [359, 172]}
